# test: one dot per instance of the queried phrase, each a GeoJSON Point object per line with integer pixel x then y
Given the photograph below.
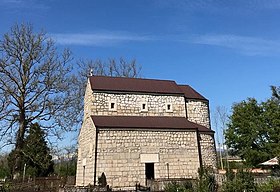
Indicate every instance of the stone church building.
{"type": "Point", "coordinates": [139, 129]}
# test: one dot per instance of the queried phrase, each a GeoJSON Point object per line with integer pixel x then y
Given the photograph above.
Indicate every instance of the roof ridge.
{"type": "Point", "coordinates": [134, 78]}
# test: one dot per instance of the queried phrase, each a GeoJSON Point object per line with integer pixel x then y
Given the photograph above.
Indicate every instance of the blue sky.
{"type": "Point", "coordinates": [228, 50]}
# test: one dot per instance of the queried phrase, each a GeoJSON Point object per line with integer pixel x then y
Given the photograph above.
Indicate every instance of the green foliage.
{"type": "Point", "coordinates": [253, 130]}
{"type": "Point", "coordinates": [179, 187]}
{"type": "Point", "coordinates": [35, 154]}
{"type": "Point", "coordinates": [4, 168]}
{"type": "Point", "coordinates": [66, 167]}
{"type": "Point", "coordinates": [205, 183]}
{"type": "Point", "coordinates": [241, 181]}
{"type": "Point", "coordinates": [269, 186]}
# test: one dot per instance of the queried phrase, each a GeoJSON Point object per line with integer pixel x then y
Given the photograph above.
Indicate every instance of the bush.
{"type": "Point", "coordinates": [102, 182]}
{"type": "Point", "coordinates": [205, 183]}
{"type": "Point", "coordinates": [179, 187]}
{"type": "Point", "coordinates": [269, 186]}
{"type": "Point", "coordinates": [242, 181]}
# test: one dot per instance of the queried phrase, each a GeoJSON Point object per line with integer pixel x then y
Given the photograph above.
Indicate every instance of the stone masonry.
{"type": "Point", "coordinates": [122, 154]}
{"type": "Point", "coordinates": [120, 151]}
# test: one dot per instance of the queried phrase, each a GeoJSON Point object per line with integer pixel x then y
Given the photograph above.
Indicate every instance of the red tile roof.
{"type": "Point", "coordinates": [146, 122]}
{"type": "Point", "coordinates": [123, 84]}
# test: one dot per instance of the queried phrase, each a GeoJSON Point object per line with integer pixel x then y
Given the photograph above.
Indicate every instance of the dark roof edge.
{"type": "Point", "coordinates": [163, 129]}
{"type": "Point", "coordinates": [138, 92]}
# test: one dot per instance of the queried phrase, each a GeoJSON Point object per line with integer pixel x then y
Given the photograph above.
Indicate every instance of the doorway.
{"type": "Point", "coordinates": [150, 171]}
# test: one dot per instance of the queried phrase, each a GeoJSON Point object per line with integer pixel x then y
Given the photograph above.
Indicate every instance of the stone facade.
{"type": "Point", "coordinates": [198, 112]}
{"type": "Point", "coordinates": [119, 155]}
{"type": "Point", "coordinates": [124, 154]}
{"type": "Point", "coordinates": [131, 104]}
{"type": "Point", "coordinates": [208, 150]}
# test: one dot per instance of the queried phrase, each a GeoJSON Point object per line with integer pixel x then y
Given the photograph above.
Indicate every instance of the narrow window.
{"type": "Point", "coordinates": [143, 107]}
{"type": "Point", "coordinates": [112, 105]}
{"type": "Point", "coordinates": [169, 107]}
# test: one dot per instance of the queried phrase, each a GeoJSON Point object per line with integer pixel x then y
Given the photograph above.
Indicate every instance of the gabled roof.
{"type": "Point", "coordinates": [102, 83]}
{"type": "Point", "coordinates": [190, 93]}
{"type": "Point", "coordinates": [124, 84]}
{"type": "Point", "coordinates": [147, 122]}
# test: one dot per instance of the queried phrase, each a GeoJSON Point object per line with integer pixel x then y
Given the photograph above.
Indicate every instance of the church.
{"type": "Point", "coordinates": [138, 129]}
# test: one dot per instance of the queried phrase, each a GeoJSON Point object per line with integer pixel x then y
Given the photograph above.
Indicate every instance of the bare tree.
{"type": "Point", "coordinates": [275, 92]}
{"type": "Point", "coordinates": [36, 84]}
{"type": "Point", "coordinates": [217, 128]}
{"type": "Point", "coordinates": [220, 120]}
{"type": "Point", "coordinates": [113, 67]}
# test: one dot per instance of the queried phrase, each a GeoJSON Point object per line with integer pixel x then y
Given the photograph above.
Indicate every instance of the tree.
{"type": "Point", "coordinates": [4, 169]}
{"type": "Point", "coordinates": [275, 92]}
{"type": "Point", "coordinates": [36, 85]}
{"type": "Point", "coordinates": [37, 153]}
{"type": "Point", "coordinates": [66, 163]}
{"type": "Point", "coordinates": [242, 181]}
{"type": "Point", "coordinates": [253, 130]}
{"type": "Point", "coordinates": [220, 123]}
{"type": "Point", "coordinates": [112, 67]}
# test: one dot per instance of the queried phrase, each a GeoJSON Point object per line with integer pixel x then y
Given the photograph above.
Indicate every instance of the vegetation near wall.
{"type": "Point", "coordinates": [242, 181]}
{"type": "Point", "coordinates": [205, 183]}
{"type": "Point", "coordinates": [253, 130]}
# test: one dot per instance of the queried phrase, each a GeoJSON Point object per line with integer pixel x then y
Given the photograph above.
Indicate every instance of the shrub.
{"type": "Point", "coordinates": [102, 182]}
{"type": "Point", "coordinates": [179, 187]}
{"type": "Point", "coordinates": [242, 181]}
{"type": "Point", "coordinates": [269, 186]}
{"type": "Point", "coordinates": [205, 183]}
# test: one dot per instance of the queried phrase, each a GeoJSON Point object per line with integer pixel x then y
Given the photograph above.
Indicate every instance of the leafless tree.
{"type": "Point", "coordinates": [36, 84]}
{"type": "Point", "coordinates": [112, 67]}
{"type": "Point", "coordinates": [220, 121]}
{"type": "Point", "coordinates": [275, 92]}
{"type": "Point", "coordinates": [217, 129]}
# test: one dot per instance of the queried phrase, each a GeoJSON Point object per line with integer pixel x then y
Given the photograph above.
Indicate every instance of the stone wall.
{"type": "Point", "coordinates": [85, 162]}
{"type": "Point", "coordinates": [131, 104]}
{"type": "Point", "coordinates": [122, 155]}
{"type": "Point", "coordinates": [198, 112]}
{"type": "Point", "coordinates": [208, 151]}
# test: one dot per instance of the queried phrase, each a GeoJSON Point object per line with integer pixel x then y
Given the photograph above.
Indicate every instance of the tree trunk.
{"type": "Point", "coordinates": [19, 144]}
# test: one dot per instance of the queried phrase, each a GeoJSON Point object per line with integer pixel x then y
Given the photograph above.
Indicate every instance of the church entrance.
{"type": "Point", "coordinates": [150, 170]}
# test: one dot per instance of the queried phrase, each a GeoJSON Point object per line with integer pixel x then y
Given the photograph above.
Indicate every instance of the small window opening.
{"type": "Point", "coordinates": [144, 106]}
{"type": "Point", "coordinates": [112, 105]}
{"type": "Point", "coordinates": [168, 107]}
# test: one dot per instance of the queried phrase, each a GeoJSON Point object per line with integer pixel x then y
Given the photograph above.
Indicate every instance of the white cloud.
{"type": "Point", "coordinates": [98, 39]}
{"type": "Point", "coordinates": [23, 4]}
{"type": "Point", "coordinates": [244, 44]}
{"type": "Point", "coordinates": [219, 5]}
